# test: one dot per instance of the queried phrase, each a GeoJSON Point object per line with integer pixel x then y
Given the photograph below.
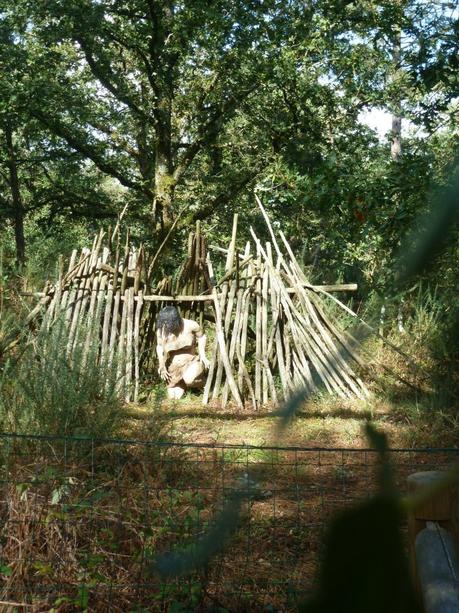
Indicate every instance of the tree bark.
{"type": "Point", "coordinates": [163, 61]}
{"type": "Point", "coordinates": [18, 209]}
{"type": "Point", "coordinates": [164, 180]}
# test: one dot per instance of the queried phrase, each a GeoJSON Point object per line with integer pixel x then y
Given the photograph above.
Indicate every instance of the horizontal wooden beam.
{"type": "Point", "coordinates": [147, 298]}
{"type": "Point", "coordinates": [160, 298]}
{"type": "Point", "coordinates": [338, 287]}
{"type": "Point", "coordinates": [349, 287]}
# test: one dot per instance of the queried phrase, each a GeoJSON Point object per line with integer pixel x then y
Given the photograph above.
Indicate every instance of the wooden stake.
{"type": "Point", "coordinates": [227, 300]}
{"type": "Point", "coordinates": [222, 344]}
{"type": "Point", "coordinates": [237, 325]}
{"type": "Point", "coordinates": [97, 290]}
{"type": "Point", "coordinates": [246, 377]}
{"type": "Point", "coordinates": [258, 332]}
{"type": "Point", "coordinates": [216, 354]}
{"type": "Point", "coordinates": [116, 307]}
{"type": "Point", "coordinates": [264, 334]}
{"type": "Point", "coordinates": [129, 308]}
{"type": "Point", "coordinates": [243, 335]}
{"type": "Point", "coordinates": [77, 306]}
{"type": "Point", "coordinates": [108, 311]}
{"type": "Point", "coordinates": [74, 286]}
{"type": "Point", "coordinates": [138, 315]}
{"type": "Point", "coordinates": [121, 352]}
{"type": "Point", "coordinates": [65, 285]}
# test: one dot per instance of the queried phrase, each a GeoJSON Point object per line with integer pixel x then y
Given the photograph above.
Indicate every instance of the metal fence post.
{"type": "Point", "coordinates": [433, 559]}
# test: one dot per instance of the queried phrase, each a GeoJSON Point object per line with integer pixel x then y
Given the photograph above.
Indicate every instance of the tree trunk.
{"type": "Point", "coordinates": [164, 188]}
{"type": "Point", "coordinates": [396, 136]}
{"type": "Point", "coordinates": [18, 209]}
{"type": "Point", "coordinates": [164, 179]}
{"type": "Point", "coordinates": [396, 132]}
{"type": "Point", "coordinates": [162, 15]}
{"type": "Point", "coordinates": [396, 145]}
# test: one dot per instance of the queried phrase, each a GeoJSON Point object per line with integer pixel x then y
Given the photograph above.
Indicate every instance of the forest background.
{"type": "Point", "coordinates": [179, 110]}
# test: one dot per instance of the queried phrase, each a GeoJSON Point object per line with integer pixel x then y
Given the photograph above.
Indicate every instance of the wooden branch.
{"type": "Point", "coordinates": [237, 326]}
{"type": "Point", "coordinates": [165, 241]}
{"type": "Point", "coordinates": [222, 346]}
{"type": "Point", "coordinates": [337, 287]}
{"type": "Point", "coordinates": [349, 287]}
{"type": "Point", "coordinates": [223, 197]}
{"type": "Point", "coordinates": [108, 313]}
{"type": "Point", "coordinates": [138, 316]}
{"type": "Point", "coordinates": [130, 309]}
{"type": "Point", "coordinates": [180, 298]}
{"type": "Point", "coordinates": [242, 371]}
{"type": "Point", "coordinates": [101, 74]}
{"type": "Point", "coordinates": [148, 298]}
{"type": "Point", "coordinates": [80, 143]}
{"type": "Point", "coordinates": [275, 310]}
{"type": "Point", "coordinates": [258, 333]}
{"type": "Point", "coordinates": [264, 334]}
{"type": "Point", "coordinates": [75, 305]}
{"type": "Point", "coordinates": [226, 303]}
{"type": "Point", "coordinates": [208, 131]}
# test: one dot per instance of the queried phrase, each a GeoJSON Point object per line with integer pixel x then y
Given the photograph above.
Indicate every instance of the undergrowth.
{"type": "Point", "coordinates": [46, 389]}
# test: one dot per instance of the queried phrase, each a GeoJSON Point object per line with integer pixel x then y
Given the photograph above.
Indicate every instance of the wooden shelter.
{"type": "Point", "coordinates": [272, 332]}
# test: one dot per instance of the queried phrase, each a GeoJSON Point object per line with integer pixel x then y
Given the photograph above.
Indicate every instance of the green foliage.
{"type": "Point", "coordinates": [210, 92]}
{"type": "Point", "coordinates": [44, 391]}
{"type": "Point", "coordinates": [46, 239]}
{"type": "Point", "coordinates": [180, 109]}
{"type": "Point", "coordinates": [428, 311]}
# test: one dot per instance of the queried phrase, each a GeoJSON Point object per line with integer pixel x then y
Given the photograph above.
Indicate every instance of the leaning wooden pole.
{"type": "Point", "coordinates": [235, 335]}
{"type": "Point", "coordinates": [216, 365]}
{"type": "Point", "coordinates": [276, 313]}
{"type": "Point", "coordinates": [258, 331]}
{"type": "Point", "coordinates": [222, 342]}
{"type": "Point", "coordinates": [241, 345]}
{"type": "Point", "coordinates": [266, 376]}
{"type": "Point", "coordinates": [226, 304]}
{"type": "Point", "coordinates": [75, 306]}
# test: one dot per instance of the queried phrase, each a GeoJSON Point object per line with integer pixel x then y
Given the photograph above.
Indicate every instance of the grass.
{"type": "Point", "coordinates": [45, 393]}
{"type": "Point", "coordinates": [322, 423]}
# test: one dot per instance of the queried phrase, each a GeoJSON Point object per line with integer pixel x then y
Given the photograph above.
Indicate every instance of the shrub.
{"type": "Point", "coordinates": [50, 391]}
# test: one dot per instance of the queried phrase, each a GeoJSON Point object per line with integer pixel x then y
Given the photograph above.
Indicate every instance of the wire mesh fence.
{"type": "Point", "coordinates": [83, 521]}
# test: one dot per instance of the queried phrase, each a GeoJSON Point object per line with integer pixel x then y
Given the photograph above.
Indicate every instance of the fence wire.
{"type": "Point", "coordinates": [83, 521]}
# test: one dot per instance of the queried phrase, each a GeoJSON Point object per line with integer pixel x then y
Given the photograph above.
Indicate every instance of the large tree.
{"type": "Point", "coordinates": [40, 176]}
{"type": "Point", "coordinates": [150, 90]}
{"type": "Point", "coordinates": [143, 88]}
{"type": "Point", "coordinates": [185, 104]}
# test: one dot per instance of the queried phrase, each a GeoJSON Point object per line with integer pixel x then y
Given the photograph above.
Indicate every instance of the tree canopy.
{"type": "Point", "coordinates": [179, 109]}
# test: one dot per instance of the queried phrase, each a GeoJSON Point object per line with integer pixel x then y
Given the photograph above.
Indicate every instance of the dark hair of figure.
{"type": "Point", "coordinates": [169, 321]}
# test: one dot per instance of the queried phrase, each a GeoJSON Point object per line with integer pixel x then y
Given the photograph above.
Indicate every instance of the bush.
{"type": "Point", "coordinates": [47, 391]}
